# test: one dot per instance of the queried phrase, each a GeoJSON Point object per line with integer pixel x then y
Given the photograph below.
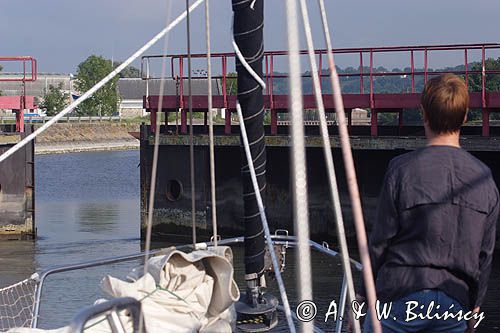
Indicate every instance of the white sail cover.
{"type": "Point", "coordinates": [182, 292]}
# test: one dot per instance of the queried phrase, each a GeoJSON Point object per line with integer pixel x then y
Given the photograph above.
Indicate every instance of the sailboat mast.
{"type": "Point", "coordinates": [248, 34]}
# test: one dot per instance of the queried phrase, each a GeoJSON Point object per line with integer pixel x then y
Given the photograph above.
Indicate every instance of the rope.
{"type": "Point", "coordinates": [350, 175]}
{"type": "Point", "coordinates": [301, 217]}
{"type": "Point", "coordinates": [154, 170]}
{"type": "Point", "coordinates": [265, 225]}
{"type": "Point", "coordinates": [99, 85]}
{"type": "Point", "coordinates": [245, 63]}
{"type": "Point", "coordinates": [330, 167]}
{"type": "Point", "coordinates": [191, 146]}
{"type": "Point", "coordinates": [211, 122]}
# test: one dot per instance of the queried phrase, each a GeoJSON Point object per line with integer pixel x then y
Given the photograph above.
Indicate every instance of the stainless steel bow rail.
{"type": "Point", "coordinates": [110, 310]}
{"type": "Point", "coordinates": [281, 237]}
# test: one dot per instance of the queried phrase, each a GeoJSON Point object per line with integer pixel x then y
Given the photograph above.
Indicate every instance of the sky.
{"type": "Point", "coordinates": [62, 33]}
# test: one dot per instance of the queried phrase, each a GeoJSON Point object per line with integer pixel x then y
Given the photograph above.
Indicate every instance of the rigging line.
{"type": "Point", "coordinates": [243, 61]}
{"type": "Point", "coordinates": [330, 166]}
{"type": "Point", "coordinates": [265, 226]}
{"type": "Point", "coordinates": [154, 170]}
{"type": "Point", "coordinates": [301, 218]}
{"type": "Point", "coordinates": [191, 145]}
{"type": "Point", "coordinates": [98, 85]}
{"type": "Point", "coordinates": [350, 173]}
{"type": "Point", "coordinates": [211, 121]}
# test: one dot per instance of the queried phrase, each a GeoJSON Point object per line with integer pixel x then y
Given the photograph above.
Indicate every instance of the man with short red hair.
{"type": "Point", "coordinates": [434, 236]}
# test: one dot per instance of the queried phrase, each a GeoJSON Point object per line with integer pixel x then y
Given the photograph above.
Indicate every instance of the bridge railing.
{"type": "Point", "coordinates": [473, 68]}
{"type": "Point", "coordinates": [28, 73]}
{"type": "Point", "coordinates": [67, 119]}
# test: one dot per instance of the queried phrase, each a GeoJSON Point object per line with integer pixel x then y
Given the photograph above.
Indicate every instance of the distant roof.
{"type": "Point", "coordinates": [136, 88]}
{"type": "Point", "coordinates": [35, 88]}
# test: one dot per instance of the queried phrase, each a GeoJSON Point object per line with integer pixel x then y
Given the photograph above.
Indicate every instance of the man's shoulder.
{"type": "Point", "coordinates": [402, 162]}
{"type": "Point", "coordinates": [436, 157]}
{"type": "Point", "coordinates": [442, 164]}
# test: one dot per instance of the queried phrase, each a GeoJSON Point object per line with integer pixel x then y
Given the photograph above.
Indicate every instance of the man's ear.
{"type": "Point", "coordinates": [465, 118]}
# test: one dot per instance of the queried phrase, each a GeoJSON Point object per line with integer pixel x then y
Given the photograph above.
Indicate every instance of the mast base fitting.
{"type": "Point", "coordinates": [256, 311]}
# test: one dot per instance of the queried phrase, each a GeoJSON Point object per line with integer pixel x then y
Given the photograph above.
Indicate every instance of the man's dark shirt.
{"type": "Point", "coordinates": [435, 226]}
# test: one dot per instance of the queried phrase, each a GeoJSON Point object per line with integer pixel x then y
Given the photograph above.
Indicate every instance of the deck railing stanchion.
{"type": "Point", "coordinates": [320, 70]}
{"type": "Point", "coordinates": [374, 117]}
{"type": "Point", "coordinates": [412, 64]}
{"type": "Point", "coordinates": [181, 94]}
{"type": "Point", "coordinates": [426, 66]}
{"type": "Point", "coordinates": [361, 83]}
{"type": "Point", "coordinates": [466, 68]}
{"type": "Point", "coordinates": [485, 111]}
{"type": "Point", "coordinates": [227, 126]}
{"type": "Point", "coordinates": [271, 87]}
{"type": "Point", "coordinates": [266, 58]}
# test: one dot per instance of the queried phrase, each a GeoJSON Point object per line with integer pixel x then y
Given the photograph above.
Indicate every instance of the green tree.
{"type": "Point", "coordinates": [492, 83]}
{"type": "Point", "coordinates": [105, 100]}
{"type": "Point", "coordinates": [232, 84]}
{"type": "Point", "coordinates": [128, 72]}
{"type": "Point", "coordinates": [54, 99]}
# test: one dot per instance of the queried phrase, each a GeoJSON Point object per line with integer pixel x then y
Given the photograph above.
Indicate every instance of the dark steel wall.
{"type": "Point", "coordinates": [17, 180]}
{"type": "Point", "coordinates": [172, 218]}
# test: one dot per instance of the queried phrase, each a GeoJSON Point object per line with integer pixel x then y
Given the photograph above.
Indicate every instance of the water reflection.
{"type": "Point", "coordinates": [98, 217]}
{"type": "Point", "coordinates": [17, 259]}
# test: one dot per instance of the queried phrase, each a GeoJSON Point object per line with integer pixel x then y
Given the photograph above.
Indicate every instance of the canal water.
{"type": "Point", "coordinates": [87, 208]}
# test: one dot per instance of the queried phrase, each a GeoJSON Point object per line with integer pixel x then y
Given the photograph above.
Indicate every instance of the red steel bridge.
{"type": "Point", "coordinates": [367, 74]}
{"type": "Point", "coordinates": [18, 104]}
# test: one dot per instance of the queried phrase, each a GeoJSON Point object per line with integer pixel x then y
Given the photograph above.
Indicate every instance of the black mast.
{"type": "Point", "coordinates": [248, 34]}
{"type": "Point", "coordinates": [248, 29]}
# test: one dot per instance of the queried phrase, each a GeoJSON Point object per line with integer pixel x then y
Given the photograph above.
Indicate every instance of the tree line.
{"type": "Point", "coordinates": [90, 71]}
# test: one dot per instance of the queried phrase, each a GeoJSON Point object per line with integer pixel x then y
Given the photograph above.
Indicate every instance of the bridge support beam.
{"type": "Point", "coordinates": [400, 120]}
{"type": "Point", "coordinates": [374, 123]}
{"type": "Point", "coordinates": [19, 121]}
{"type": "Point", "coordinates": [227, 127]}
{"type": "Point", "coordinates": [184, 127]}
{"type": "Point", "coordinates": [152, 120]}
{"type": "Point", "coordinates": [486, 122]}
{"type": "Point", "coordinates": [349, 119]}
{"type": "Point", "coordinates": [274, 122]}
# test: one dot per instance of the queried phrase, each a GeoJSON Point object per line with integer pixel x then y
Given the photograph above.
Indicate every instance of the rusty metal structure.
{"type": "Point", "coordinates": [17, 175]}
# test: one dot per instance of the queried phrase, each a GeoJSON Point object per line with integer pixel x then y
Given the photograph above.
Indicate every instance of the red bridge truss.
{"type": "Point", "coordinates": [367, 97]}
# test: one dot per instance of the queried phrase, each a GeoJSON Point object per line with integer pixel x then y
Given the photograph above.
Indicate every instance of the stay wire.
{"type": "Point", "coordinates": [154, 169]}
{"type": "Point", "coordinates": [330, 166]}
{"type": "Point", "coordinates": [211, 122]}
{"type": "Point", "coordinates": [350, 174]}
{"type": "Point", "coordinates": [191, 145]}
{"type": "Point", "coordinates": [298, 156]}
